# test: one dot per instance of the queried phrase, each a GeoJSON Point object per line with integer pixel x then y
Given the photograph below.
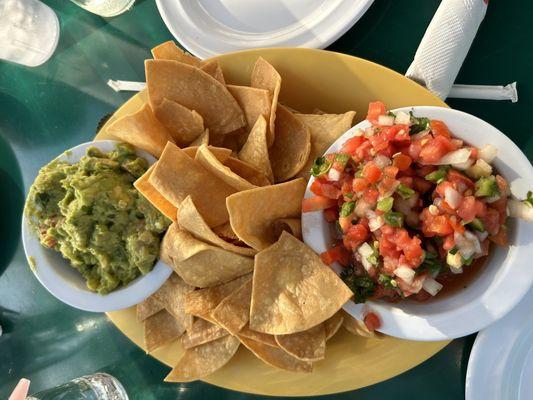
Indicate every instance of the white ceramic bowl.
{"type": "Point", "coordinates": [503, 282]}
{"type": "Point", "coordinates": [65, 283]}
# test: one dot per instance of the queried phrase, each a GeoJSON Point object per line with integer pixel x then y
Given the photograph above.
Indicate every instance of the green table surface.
{"type": "Point", "coordinates": [48, 109]}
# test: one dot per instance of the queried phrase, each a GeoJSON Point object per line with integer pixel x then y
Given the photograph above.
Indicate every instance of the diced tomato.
{"type": "Point", "coordinates": [458, 143]}
{"type": "Point", "coordinates": [421, 185]}
{"type": "Point", "coordinates": [316, 203]}
{"type": "Point", "coordinates": [457, 177]}
{"type": "Point", "coordinates": [435, 224]}
{"type": "Point", "coordinates": [375, 109]}
{"type": "Point", "coordinates": [502, 185]}
{"type": "Point", "coordinates": [446, 208]}
{"type": "Point", "coordinates": [402, 162]}
{"type": "Point", "coordinates": [386, 185]}
{"type": "Point", "coordinates": [336, 254]}
{"type": "Point", "coordinates": [352, 144]}
{"type": "Point", "coordinates": [372, 321]}
{"type": "Point", "coordinates": [473, 153]}
{"type": "Point", "coordinates": [396, 133]}
{"type": "Point", "coordinates": [467, 209]}
{"type": "Point", "coordinates": [406, 180]}
{"type": "Point", "coordinates": [449, 242]}
{"type": "Point", "coordinates": [456, 225]}
{"type": "Point", "coordinates": [325, 190]}
{"type": "Point", "coordinates": [371, 196]}
{"type": "Point", "coordinates": [501, 206]}
{"type": "Point", "coordinates": [345, 222]}
{"type": "Point", "coordinates": [439, 128]}
{"type": "Point", "coordinates": [331, 214]}
{"type": "Point", "coordinates": [379, 142]}
{"type": "Point", "coordinates": [355, 235]}
{"type": "Point", "coordinates": [414, 150]}
{"type": "Point", "coordinates": [501, 237]}
{"type": "Point", "coordinates": [371, 172]}
{"type": "Point", "coordinates": [481, 209]}
{"type": "Point", "coordinates": [391, 171]}
{"type": "Point", "coordinates": [423, 170]}
{"type": "Point", "coordinates": [346, 186]}
{"type": "Point", "coordinates": [434, 150]}
{"type": "Point", "coordinates": [363, 151]}
{"type": "Point", "coordinates": [441, 188]}
{"type": "Point", "coordinates": [360, 184]}
{"type": "Point", "coordinates": [491, 221]}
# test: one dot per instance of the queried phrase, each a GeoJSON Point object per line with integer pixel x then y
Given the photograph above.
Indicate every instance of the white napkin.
{"type": "Point", "coordinates": [446, 43]}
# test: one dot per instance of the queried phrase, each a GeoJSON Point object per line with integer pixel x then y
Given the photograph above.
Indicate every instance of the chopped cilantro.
{"type": "Point", "coordinates": [320, 167]}
{"type": "Point", "coordinates": [361, 286]}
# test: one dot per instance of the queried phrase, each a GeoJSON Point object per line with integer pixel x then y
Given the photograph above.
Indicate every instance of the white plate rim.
{"type": "Point", "coordinates": [75, 295]}
{"type": "Point", "coordinates": [168, 9]}
{"type": "Point", "coordinates": [471, 317]}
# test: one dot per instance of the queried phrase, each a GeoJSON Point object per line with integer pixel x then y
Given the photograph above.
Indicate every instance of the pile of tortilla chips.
{"type": "Point", "coordinates": [230, 174]}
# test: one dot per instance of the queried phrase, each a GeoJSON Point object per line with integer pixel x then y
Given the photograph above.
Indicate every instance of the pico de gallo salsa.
{"type": "Point", "coordinates": [413, 206]}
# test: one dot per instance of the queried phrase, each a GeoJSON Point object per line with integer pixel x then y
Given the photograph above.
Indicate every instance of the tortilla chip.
{"type": "Point", "coordinates": [254, 103]}
{"type": "Point", "coordinates": [253, 212]}
{"type": "Point", "coordinates": [234, 311]}
{"type": "Point", "coordinates": [147, 308]}
{"type": "Point", "coordinates": [169, 51]}
{"type": "Point", "coordinates": [255, 150]}
{"type": "Point", "coordinates": [333, 324]}
{"type": "Point", "coordinates": [265, 76]}
{"type": "Point", "coordinates": [215, 167]}
{"type": "Point", "coordinates": [293, 290]}
{"type": "Point", "coordinates": [176, 176]}
{"type": "Point", "coordinates": [260, 337]}
{"type": "Point", "coordinates": [276, 357]}
{"type": "Point", "coordinates": [212, 68]}
{"type": "Point", "coordinates": [318, 111]}
{"type": "Point", "coordinates": [202, 139]}
{"type": "Point", "coordinates": [356, 327]}
{"type": "Point", "coordinates": [309, 345]}
{"type": "Point", "coordinates": [200, 264]}
{"type": "Point", "coordinates": [201, 302]}
{"type": "Point", "coordinates": [291, 225]}
{"type": "Point", "coordinates": [225, 232]}
{"type": "Point", "coordinates": [291, 147]}
{"type": "Point", "coordinates": [247, 171]}
{"type": "Point", "coordinates": [220, 153]}
{"type": "Point", "coordinates": [201, 361]}
{"type": "Point", "coordinates": [141, 129]}
{"type": "Point", "coordinates": [191, 221]}
{"type": "Point", "coordinates": [153, 196]}
{"type": "Point", "coordinates": [324, 129]}
{"type": "Point", "coordinates": [161, 329]}
{"type": "Point", "coordinates": [196, 90]}
{"type": "Point", "coordinates": [202, 332]}
{"type": "Point", "coordinates": [172, 296]}
{"type": "Point", "coordinates": [183, 124]}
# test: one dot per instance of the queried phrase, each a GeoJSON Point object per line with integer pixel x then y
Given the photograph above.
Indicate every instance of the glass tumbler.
{"type": "Point", "coordinates": [105, 8]}
{"type": "Point", "coordinates": [99, 386]}
{"type": "Point", "coordinates": [29, 32]}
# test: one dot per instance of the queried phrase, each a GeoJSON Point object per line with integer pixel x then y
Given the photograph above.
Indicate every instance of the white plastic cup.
{"type": "Point", "coordinates": [29, 32]}
{"type": "Point", "coordinates": [105, 8]}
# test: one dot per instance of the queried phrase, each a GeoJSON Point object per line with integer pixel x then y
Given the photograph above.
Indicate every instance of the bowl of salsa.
{"type": "Point", "coordinates": [412, 208]}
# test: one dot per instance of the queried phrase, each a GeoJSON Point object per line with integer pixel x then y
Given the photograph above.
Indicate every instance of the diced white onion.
{"type": "Point", "coordinates": [456, 271]}
{"type": "Point", "coordinates": [358, 132]}
{"type": "Point", "coordinates": [382, 161]}
{"type": "Point", "coordinates": [487, 153]}
{"type": "Point", "coordinates": [431, 286]}
{"type": "Point", "coordinates": [405, 273]}
{"type": "Point", "coordinates": [386, 120]}
{"type": "Point", "coordinates": [390, 192]}
{"type": "Point", "coordinates": [464, 165]}
{"type": "Point", "coordinates": [455, 157]}
{"type": "Point", "coordinates": [334, 175]}
{"type": "Point", "coordinates": [370, 131]}
{"type": "Point", "coordinates": [482, 235]}
{"type": "Point", "coordinates": [433, 210]}
{"type": "Point", "coordinates": [479, 169]}
{"type": "Point", "coordinates": [452, 197]}
{"type": "Point", "coordinates": [492, 199]}
{"type": "Point", "coordinates": [402, 118]}
{"type": "Point", "coordinates": [467, 244]}
{"type": "Point", "coordinates": [520, 210]}
{"type": "Point", "coordinates": [454, 260]}
{"type": "Point", "coordinates": [375, 223]}
{"type": "Point", "coordinates": [419, 135]}
{"type": "Point", "coordinates": [472, 238]}
{"type": "Point", "coordinates": [365, 250]}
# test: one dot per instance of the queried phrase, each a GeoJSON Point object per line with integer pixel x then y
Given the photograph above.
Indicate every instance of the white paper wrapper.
{"type": "Point", "coordinates": [446, 43]}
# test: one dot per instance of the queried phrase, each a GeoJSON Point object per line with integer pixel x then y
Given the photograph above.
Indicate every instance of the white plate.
{"type": "Point", "coordinates": [210, 27]}
{"type": "Point", "coordinates": [65, 283]}
{"type": "Point", "coordinates": [506, 277]}
{"type": "Point", "coordinates": [501, 361]}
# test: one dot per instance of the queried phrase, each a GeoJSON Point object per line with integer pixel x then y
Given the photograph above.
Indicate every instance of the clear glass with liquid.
{"type": "Point", "coordinates": [29, 32]}
{"type": "Point", "coordinates": [99, 386]}
{"type": "Point", "coordinates": [105, 8]}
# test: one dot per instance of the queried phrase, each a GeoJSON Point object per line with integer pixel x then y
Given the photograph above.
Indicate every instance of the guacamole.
{"type": "Point", "coordinates": [91, 213]}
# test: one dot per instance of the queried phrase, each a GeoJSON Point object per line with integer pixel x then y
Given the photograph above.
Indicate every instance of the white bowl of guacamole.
{"type": "Point", "coordinates": [90, 238]}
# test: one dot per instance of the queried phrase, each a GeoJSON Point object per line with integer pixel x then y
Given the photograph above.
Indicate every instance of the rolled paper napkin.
{"type": "Point", "coordinates": [446, 43]}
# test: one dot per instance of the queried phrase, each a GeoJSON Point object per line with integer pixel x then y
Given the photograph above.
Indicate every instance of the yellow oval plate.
{"type": "Point", "coordinates": [334, 83]}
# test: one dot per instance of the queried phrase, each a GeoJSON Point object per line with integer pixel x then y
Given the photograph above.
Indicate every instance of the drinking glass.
{"type": "Point", "coordinates": [105, 8]}
{"type": "Point", "coordinates": [29, 32]}
{"type": "Point", "coordinates": [99, 386]}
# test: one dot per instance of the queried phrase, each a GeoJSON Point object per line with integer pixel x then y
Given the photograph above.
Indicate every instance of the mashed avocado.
{"type": "Point", "coordinates": [91, 213]}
